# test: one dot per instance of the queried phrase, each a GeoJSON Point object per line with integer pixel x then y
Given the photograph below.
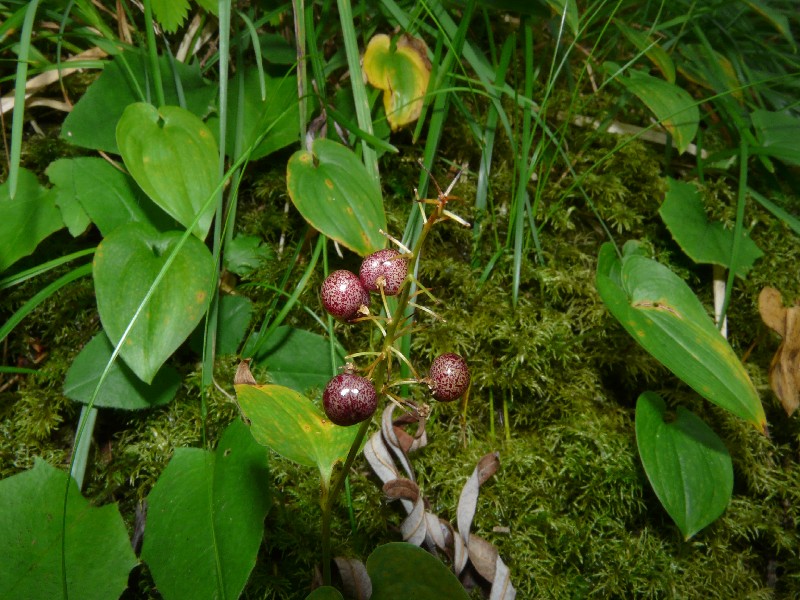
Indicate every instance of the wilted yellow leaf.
{"type": "Point", "coordinates": [402, 71]}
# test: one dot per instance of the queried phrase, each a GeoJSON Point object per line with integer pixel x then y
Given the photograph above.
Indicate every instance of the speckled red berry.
{"type": "Point", "coordinates": [448, 377]}
{"type": "Point", "coordinates": [349, 399]}
{"type": "Point", "coordinates": [387, 264]}
{"type": "Point", "coordinates": [343, 295]}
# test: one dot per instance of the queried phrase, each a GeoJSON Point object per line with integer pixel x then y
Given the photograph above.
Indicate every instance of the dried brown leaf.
{"type": "Point", "coordinates": [355, 580]}
{"type": "Point", "coordinates": [483, 557]}
{"type": "Point", "coordinates": [773, 313]}
{"type": "Point", "coordinates": [401, 488]}
{"type": "Point", "coordinates": [784, 370]}
{"type": "Point", "coordinates": [243, 375]}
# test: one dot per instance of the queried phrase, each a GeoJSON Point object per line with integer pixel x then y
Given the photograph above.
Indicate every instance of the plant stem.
{"type": "Point", "coordinates": [360, 98]}
{"type": "Point", "coordinates": [327, 511]}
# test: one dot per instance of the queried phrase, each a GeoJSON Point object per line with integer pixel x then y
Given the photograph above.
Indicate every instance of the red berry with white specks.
{"type": "Point", "coordinates": [343, 295]}
{"type": "Point", "coordinates": [349, 399]}
{"type": "Point", "coordinates": [449, 377]}
{"type": "Point", "coordinates": [387, 264]}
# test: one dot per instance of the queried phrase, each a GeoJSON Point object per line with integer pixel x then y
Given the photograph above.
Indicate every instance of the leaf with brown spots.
{"type": "Point", "coordinates": [157, 281]}
{"type": "Point", "coordinates": [330, 187]}
{"type": "Point", "coordinates": [293, 426]}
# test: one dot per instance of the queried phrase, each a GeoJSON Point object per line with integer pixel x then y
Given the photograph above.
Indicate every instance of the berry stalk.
{"type": "Point", "coordinates": [329, 495]}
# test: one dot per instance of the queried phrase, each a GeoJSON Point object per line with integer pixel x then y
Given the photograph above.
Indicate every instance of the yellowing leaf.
{"type": "Point", "coordinates": [402, 71]}
{"type": "Point", "coordinates": [710, 69]}
{"type": "Point", "coordinates": [655, 53]}
{"type": "Point", "coordinates": [674, 108]}
{"type": "Point", "coordinates": [663, 315]}
{"type": "Point", "coordinates": [292, 425]}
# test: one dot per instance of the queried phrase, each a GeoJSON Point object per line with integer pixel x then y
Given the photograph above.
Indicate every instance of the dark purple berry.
{"type": "Point", "coordinates": [349, 399]}
{"type": "Point", "coordinates": [387, 264]}
{"type": "Point", "coordinates": [448, 377]}
{"type": "Point", "coordinates": [343, 295]}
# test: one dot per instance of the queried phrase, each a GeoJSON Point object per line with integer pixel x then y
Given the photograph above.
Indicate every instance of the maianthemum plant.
{"type": "Point", "coordinates": [175, 138]}
{"type": "Point", "coordinates": [294, 427]}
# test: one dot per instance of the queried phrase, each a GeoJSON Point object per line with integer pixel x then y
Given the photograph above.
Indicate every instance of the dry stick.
{"type": "Point", "coordinates": [618, 128]}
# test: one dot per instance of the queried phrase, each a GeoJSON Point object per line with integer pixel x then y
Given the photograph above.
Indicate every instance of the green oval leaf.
{"type": "Point", "coordinates": [333, 191]}
{"type": "Point", "coordinates": [126, 264]}
{"type": "Point", "coordinates": [402, 570]}
{"type": "Point", "coordinates": [703, 241]}
{"type": "Point", "coordinates": [205, 518]}
{"type": "Point", "coordinates": [661, 313]}
{"type": "Point", "coordinates": [173, 156]}
{"type": "Point", "coordinates": [109, 197]}
{"type": "Point", "coordinates": [672, 106]}
{"type": "Point", "coordinates": [125, 78]}
{"type": "Point", "coordinates": [121, 388]}
{"type": "Point", "coordinates": [98, 552]}
{"type": "Point", "coordinates": [294, 427]}
{"type": "Point", "coordinates": [687, 464]}
{"type": "Point", "coordinates": [28, 218]}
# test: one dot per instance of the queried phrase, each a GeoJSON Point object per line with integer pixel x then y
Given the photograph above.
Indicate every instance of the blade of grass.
{"type": "Point", "coordinates": [13, 23]}
{"type": "Point", "coordinates": [19, 97]}
{"type": "Point", "coordinates": [485, 167]}
{"type": "Point", "coordinates": [299, 9]}
{"type": "Point", "coordinates": [741, 199]}
{"type": "Point", "coordinates": [360, 98]}
{"type": "Point", "coordinates": [81, 452]}
{"type": "Point", "coordinates": [374, 141]}
{"type": "Point", "coordinates": [152, 51]}
{"type": "Point", "coordinates": [520, 199]}
{"type": "Point", "coordinates": [251, 29]}
{"type": "Point", "coordinates": [791, 221]}
{"type": "Point", "coordinates": [316, 58]}
{"type": "Point", "coordinates": [176, 79]}
{"type": "Point", "coordinates": [22, 276]}
{"type": "Point", "coordinates": [41, 296]}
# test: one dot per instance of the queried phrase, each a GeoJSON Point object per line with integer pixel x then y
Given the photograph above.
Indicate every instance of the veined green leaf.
{"type": "Point", "coordinates": [687, 464]}
{"type": "Point", "coordinates": [703, 241]}
{"type": "Point", "coordinates": [672, 106]}
{"type": "Point", "coordinates": [205, 518]}
{"type": "Point", "coordinates": [333, 191]}
{"type": "Point", "coordinates": [663, 315]}
{"type": "Point", "coordinates": [173, 156]}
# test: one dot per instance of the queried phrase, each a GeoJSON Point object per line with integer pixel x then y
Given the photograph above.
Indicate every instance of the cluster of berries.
{"type": "Point", "coordinates": [349, 398]}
